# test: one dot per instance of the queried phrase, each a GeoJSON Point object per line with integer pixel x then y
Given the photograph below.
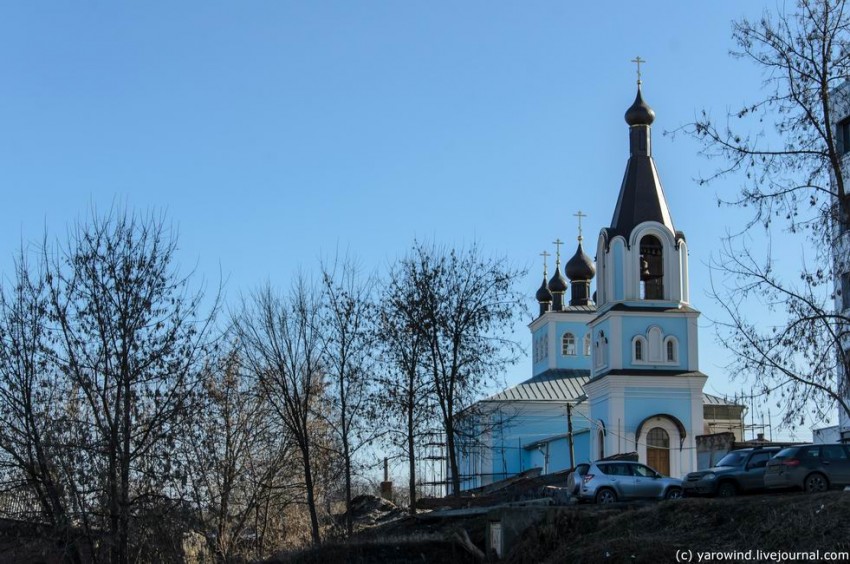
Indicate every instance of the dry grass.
{"type": "Point", "coordinates": [653, 533]}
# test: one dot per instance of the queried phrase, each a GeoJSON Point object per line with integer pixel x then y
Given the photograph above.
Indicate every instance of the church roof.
{"type": "Point", "coordinates": [563, 384]}
{"type": "Point", "coordinates": [641, 196]}
{"type": "Point", "coordinates": [552, 385]}
{"type": "Point", "coordinates": [580, 266]}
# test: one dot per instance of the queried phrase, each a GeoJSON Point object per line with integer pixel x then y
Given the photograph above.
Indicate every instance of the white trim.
{"type": "Point", "coordinates": [668, 341]}
{"type": "Point", "coordinates": [675, 441]}
{"type": "Point", "coordinates": [564, 344]}
{"type": "Point", "coordinates": [671, 261]}
{"type": "Point", "coordinates": [683, 270]}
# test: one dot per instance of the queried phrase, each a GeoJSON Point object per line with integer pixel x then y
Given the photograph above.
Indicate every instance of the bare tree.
{"type": "Point", "coordinates": [462, 305]}
{"type": "Point", "coordinates": [238, 460]}
{"type": "Point", "coordinates": [128, 338]}
{"type": "Point", "coordinates": [792, 172]}
{"type": "Point", "coordinates": [408, 396]}
{"type": "Point", "coordinates": [32, 397]}
{"type": "Point", "coordinates": [282, 344]}
{"type": "Point", "coordinates": [348, 319]}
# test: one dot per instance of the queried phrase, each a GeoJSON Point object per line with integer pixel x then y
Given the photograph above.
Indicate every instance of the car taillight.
{"type": "Point", "coordinates": [791, 462]}
{"type": "Point", "coordinates": [587, 478]}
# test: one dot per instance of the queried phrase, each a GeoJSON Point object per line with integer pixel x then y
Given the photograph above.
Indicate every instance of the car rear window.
{"type": "Point", "coordinates": [833, 452]}
{"type": "Point", "coordinates": [733, 459]}
{"type": "Point", "coordinates": [786, 452]}
{"type": "Point", "coordinates": [809, 452]}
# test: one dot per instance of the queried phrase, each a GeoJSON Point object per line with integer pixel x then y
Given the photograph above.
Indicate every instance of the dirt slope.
{"type": "Point", "coordinates": [653, 533]}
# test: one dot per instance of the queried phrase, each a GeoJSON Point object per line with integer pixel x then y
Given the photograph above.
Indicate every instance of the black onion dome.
{"type": "Point", "coordinates": [543, 295]}
{"type": "Point", "coordinates": [640, 113]}
{"type": "Point", "coordinates": [580, 267]}
{"type": "Point", "coordinates": [558, 284]}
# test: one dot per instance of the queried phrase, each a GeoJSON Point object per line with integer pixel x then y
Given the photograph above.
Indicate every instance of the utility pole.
{"type": "Point", "coordinates": [570, 434]}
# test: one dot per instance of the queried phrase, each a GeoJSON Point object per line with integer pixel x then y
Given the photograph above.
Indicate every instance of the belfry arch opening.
{"type": "Point", "coordinates": [651, 268]}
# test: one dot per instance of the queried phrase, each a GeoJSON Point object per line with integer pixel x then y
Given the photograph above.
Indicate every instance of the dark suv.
{"type": "Point", "coordinates": [741, 470]}
{"type": "Point", "coordinates": [813, 468]}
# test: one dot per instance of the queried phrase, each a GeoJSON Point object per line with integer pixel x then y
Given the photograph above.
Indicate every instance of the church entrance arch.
{"type": "Point", "coordinates": [658, 450]}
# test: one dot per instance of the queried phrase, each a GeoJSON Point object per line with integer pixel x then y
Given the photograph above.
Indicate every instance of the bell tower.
{"type": "Point", "coordinates": [645, 386]}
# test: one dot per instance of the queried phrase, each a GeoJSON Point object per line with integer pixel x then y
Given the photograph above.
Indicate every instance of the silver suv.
{"type": "Point", "coordinates": [609, 481]}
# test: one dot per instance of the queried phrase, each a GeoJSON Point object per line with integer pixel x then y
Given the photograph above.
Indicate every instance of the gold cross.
{"type": "Point", "coordinates": [558, 243]}
{"type": "Point", "coordinates": [545, 255]}
{"type": "Point", "coordinates": [638, 61]}
{"type": "Point", "coordinates": [579, 215]}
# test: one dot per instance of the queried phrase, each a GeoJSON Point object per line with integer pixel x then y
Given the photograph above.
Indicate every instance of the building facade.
{"type": "Point", "coordinates": [841, 259]}
{"type": "Point", "coordinates": [623, 361]}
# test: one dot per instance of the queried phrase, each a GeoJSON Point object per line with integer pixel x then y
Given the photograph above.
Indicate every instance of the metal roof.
{"type": "Point", "coordinates": [563, 385]}
{"type": "Point", "coordinates": [552, 385]}
{"type": "Point", "coordinates": [708, 399]}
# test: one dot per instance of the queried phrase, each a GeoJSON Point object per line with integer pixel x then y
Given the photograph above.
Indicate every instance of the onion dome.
{"type": "Point", "coordinates": [558, 284]}
{"type": "Point", "coordinates": [543, 294]}
{"type": "Point", "coordinates": [640, 113]}
{"type": "Point", "coordinates": [580, 267]}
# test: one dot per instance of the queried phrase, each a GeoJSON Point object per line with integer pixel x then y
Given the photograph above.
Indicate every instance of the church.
{"type": "Point", "coordinates": [615, 371]}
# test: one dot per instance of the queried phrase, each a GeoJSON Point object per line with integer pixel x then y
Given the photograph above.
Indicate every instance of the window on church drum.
{"type": "Point", "coordinates": [638, 350]}
{"type": "Point", "coordinates": [651, 268]}
{"type": "Point", "coordinates": [671, 352]}
{"type": "Point", "coordinates": [568, 345]}
{"type": "Point", "coordinates": [587, 345]}
{"type": "Point", "coordinates": [845, 290]}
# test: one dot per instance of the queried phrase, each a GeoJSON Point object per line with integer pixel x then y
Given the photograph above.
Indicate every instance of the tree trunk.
{"type": "Point", "coordinates": [411, 452]}
{"type": "Point", "coordinates": [450, 446]}
{"type": "Point", "coordinates": [124, 537]}
{"type": "Point", "coordinates": [349, 521]}
{"type": "Point", "coordinates": [114, 508]}
{"type": "Point", "coordinates": [311, 498]}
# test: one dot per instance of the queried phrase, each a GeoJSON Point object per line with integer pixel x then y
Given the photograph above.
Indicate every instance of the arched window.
{"type": "Point", "coordinates": [568, 345]}
{"type": "Point", "coordinates": [671, 351]}
{"type": "Point", "coordinates": [601, 350]}
{"type": "Point", "coordinates": [651, 268]}
{"type": "Point", "coordinates": [587, 345]}
{"type": "Point", "coordinates": [638, 350]}
{"type": "Point", "coordinates": [601, 443]}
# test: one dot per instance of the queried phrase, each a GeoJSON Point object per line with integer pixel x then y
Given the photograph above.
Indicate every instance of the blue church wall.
{"type": "Point", "coordinates": [559, 452]}
{"type": "Point", "coordinates": [507, 453]}
{"type": "Point", "coordinates": [634, 326]}
{"type": "Point", "coordinates": [640, 403]}
{"type": "Point", "coordinates": [579, 330]}
{"type": "Point", "coordinates": [541, 363]}
{"type": "Point", "coordinates": [605, 328]}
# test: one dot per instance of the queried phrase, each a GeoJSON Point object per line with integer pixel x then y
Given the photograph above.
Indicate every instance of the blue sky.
{"type": "Point", "coordinates": [273, 133]}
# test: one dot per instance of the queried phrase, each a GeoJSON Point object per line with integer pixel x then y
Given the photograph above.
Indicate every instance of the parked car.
{"type": "Point", "coordinates": [609, 481]}
{"type": "Point", "coordinates": [812, 468]}
{"type": "Point", "coordinates": [741, 470]}
{"type": "Point", "coordinates": [575, 477]}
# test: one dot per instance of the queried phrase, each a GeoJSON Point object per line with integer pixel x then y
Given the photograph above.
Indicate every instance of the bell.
{"type": "Point", "coordinates": [644, 270]}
